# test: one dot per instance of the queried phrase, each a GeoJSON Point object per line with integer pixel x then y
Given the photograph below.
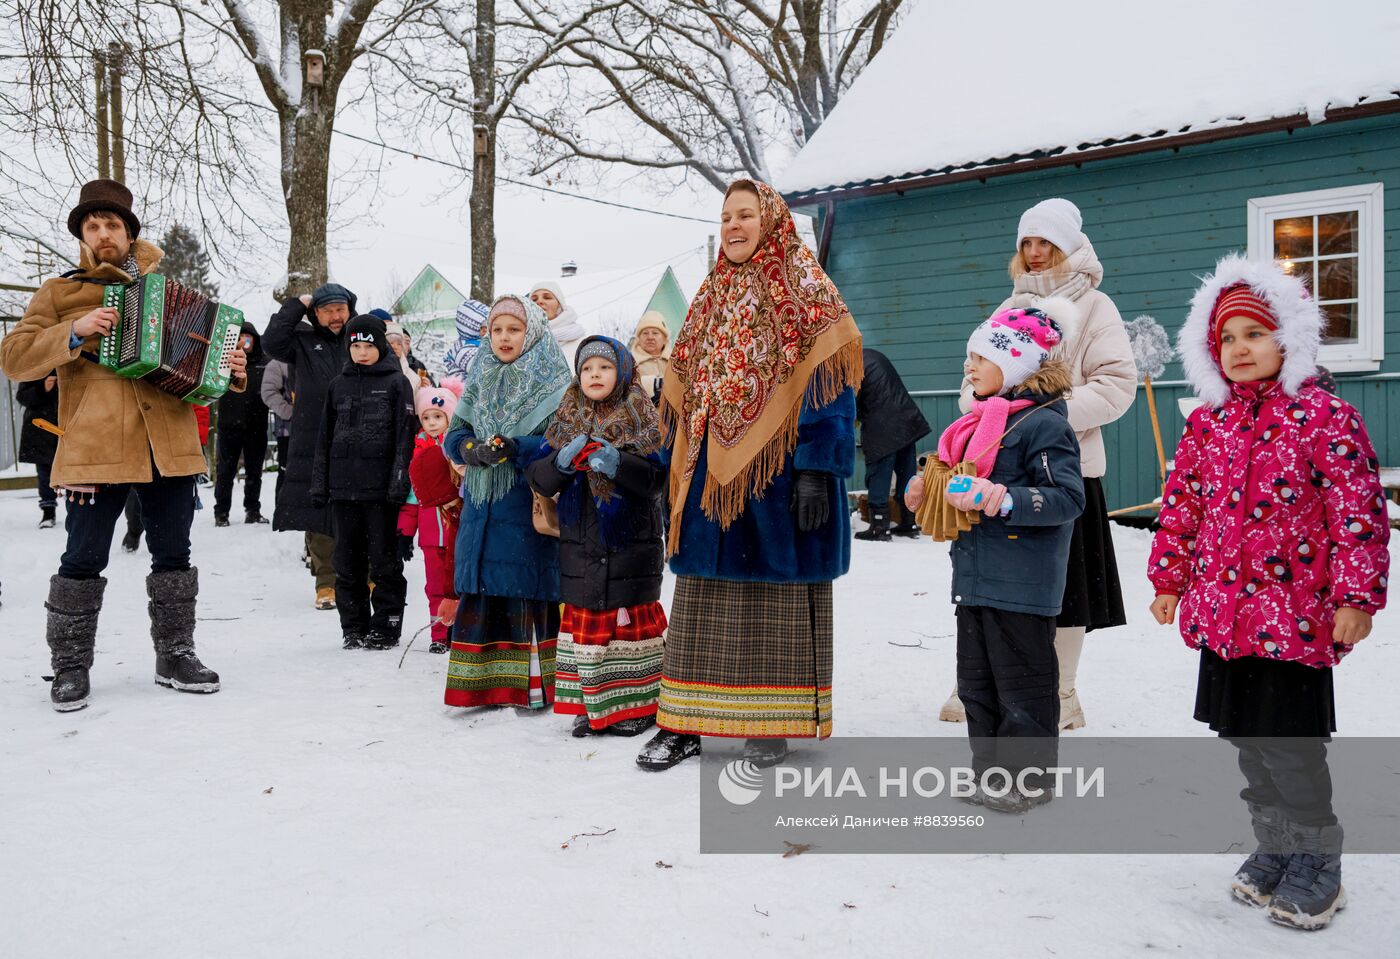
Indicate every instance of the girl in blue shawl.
{"type": "Point", "coordinates": [507, 574]}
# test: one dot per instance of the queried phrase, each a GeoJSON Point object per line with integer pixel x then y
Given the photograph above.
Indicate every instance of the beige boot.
{"type": "Point", "coordinates": [952, 711]}
{"type": "Point", "coordinates": [1069, 643]}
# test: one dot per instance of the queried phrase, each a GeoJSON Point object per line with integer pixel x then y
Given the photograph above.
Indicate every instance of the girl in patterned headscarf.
{"type": "Point", "coordinates": [759, 406]}
{"type": "Point", "coordinates": [507, 574]}
{"type": "Point", "coordinates": [608, 478]}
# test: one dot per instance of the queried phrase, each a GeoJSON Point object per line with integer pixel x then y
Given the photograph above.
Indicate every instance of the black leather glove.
{"type": "Point", "coordinates": [810, 500]}
{"type": "Point", "coordinates": [405, 548]}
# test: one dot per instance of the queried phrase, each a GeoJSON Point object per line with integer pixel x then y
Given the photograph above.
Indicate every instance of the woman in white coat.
{"type": "Point", "coordinates": [1055, 258]}
{"type": "Point", "coordinates": [563, 321]}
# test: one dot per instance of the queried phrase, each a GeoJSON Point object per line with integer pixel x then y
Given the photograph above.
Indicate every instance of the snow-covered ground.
{"type": "Point", "coordinates": [326, 803]}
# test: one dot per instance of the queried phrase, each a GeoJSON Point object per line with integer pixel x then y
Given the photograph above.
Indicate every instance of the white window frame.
{"type": "Point", "coordinates": [1368, 201]}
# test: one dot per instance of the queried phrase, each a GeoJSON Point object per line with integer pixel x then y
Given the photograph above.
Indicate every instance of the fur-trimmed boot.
{"type": "Point", "coordinates": [1311, 892]}
{"type": "Point", "coordinates": [73, 606]}
{"type": "Point", "coordinates": [1260, 874]}
{"type": "Point", "coordinates": [173, 594]}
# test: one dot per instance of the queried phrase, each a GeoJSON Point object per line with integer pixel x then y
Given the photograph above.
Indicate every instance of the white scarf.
{"type": "Point", "coordinates": [1077, 275]}
{"type": "Point", "coordinates": [566, 327]}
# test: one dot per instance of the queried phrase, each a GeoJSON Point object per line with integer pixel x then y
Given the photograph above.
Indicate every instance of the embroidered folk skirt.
{"type": "Point", "coordinates": [750, 660]}
{"type": "Point", "coordinates": [609, 665]}
{"type": "Point", "coordinates": [502, 652]}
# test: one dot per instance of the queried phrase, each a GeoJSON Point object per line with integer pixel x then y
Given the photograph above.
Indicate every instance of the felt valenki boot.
{"type": "Point", "coordinates": [73, 605]}
{"type": "Point", "coordinates": [173, 594]}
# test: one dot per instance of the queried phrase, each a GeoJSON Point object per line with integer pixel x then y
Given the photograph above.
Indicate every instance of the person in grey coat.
{"type": "Point", "coordinates": [277, 393]}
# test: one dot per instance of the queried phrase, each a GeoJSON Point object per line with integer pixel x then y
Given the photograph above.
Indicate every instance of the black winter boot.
{"type": "Point", "coordinates": [581, 728]}
{"type": "Point", "coordinates": [666, 749]}
{"type": "Point", "coordinates": [173, 594]}
{"type": "Point", "coordinates": [73, 606]}
{"type": "Point", "coordinates": [1311, 892]}
{"type": "Point", "coordinates": [46, 517]}
{"type": "Point", "coordinates": [879, 528]}
{"type": "Point", "coordinates": [253, 517]}
{"type": "Point", "coordinates": [765, 752]}
{"type": "Point", "coordinates": [220, 520]}
{"type": "Point", "coordinates": [1256, 879]}
{"type": "Point", "coordinates": [632, 727]}
{"type": "Point", "coordinates": [907, 528]}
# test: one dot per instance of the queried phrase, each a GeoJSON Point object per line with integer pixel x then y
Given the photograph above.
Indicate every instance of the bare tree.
{"type": "Point", "coordinates": [492, 51]}
{"type": "Point", "coordinates": [192, 123]}
{"type": "Point", "coordinates": [704, 82]}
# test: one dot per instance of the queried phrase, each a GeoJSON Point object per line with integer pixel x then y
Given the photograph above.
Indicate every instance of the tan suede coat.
{"type": "Point", "coordinates": [113, 427]}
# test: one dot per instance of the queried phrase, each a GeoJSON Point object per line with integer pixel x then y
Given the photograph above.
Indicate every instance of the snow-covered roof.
{"type": "Point", "coordinates": [968, 84]}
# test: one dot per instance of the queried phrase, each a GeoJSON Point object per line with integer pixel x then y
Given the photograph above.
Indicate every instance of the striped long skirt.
{"type": "Point", "coordinates": [748, 659]}
{"type": "Point", "coordinates": [609, 666]}
{"type": "Point", "coordinates": [502, 652]}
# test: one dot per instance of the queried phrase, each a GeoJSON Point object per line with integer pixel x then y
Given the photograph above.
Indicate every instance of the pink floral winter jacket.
{"type": "Point", "coordinates": [1272, 518]}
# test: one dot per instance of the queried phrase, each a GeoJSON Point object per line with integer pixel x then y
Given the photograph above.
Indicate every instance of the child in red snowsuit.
{"type": "Point", "coordinates": [430, 515]}
{"type": "Point", "coordinates": [1273, 546]}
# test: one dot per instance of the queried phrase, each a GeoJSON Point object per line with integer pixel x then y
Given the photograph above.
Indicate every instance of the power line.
{"type": "Point", "coordinates": [531, 186]}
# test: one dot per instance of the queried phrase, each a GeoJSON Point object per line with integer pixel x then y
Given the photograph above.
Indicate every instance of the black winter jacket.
{"type": "Point", "coordinates": [592, 576]}
{"type": "Point", "coordinates": [246, 412]}
{"type": "Point", "coordinates": [365, 442]}
{"type": "Point", "coordinates": [315, 356]}
{"type": "Point", "coordinates": [1018, 563]}
{"type": "Point", "coordinates": [36, 445]}
{"type": "Point", "coordinates": [889, 418]}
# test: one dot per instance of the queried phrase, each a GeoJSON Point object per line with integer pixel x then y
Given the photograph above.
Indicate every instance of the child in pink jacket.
{"type": "Point", "coordinates": [1273, 551]}
{"type": "Point", "coordinates": [428, 525]}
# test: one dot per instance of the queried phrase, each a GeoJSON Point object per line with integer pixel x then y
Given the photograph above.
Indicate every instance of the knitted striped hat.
{"type": "Point", "coordinates": [1240, 300]}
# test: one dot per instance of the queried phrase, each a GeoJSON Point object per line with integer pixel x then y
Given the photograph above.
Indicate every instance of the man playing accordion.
{"type": "Point", "coordinates": [117, 434]}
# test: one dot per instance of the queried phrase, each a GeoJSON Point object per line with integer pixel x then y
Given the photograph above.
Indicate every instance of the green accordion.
{"type": "Point", "coordinates": [175, 338]}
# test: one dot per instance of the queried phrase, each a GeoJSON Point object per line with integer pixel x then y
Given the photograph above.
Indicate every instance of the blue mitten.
{"type": "Point", "coordinates": [565, 458]}
{"type": "Point", "coordinates": [604, 459]}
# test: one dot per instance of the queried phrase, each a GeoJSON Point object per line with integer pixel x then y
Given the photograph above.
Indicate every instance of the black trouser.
{"type": "Point", "coordinates": [48, 498]}
{"type": "Point", "coordinates": [232, 444]}
{"type": "Point", "coordinates": [167, 507]}
{"type": "Point", "coordinates": [367, 549]}
{"type": "Point", "coordinates": [1008, 681]}
{"type": "Point", "coordinates": [900, 465]}
{"type": "Point", "coordinates": [1291, 775]}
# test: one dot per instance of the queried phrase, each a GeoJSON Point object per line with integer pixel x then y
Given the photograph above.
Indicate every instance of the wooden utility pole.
{"type": "Point", "coordinates": [115, 60]}
{"type": "Point", "coordinates": [104, 168]}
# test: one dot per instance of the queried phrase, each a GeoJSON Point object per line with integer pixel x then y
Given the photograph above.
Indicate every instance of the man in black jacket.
{"type": "Point", "coordinates": [307, 334]}
{"type": "Point", "coordinates": [361, 470]}
{"type": "Point", "coordinates": [890, 425]}
{"type": "Point", "coordinates": [36, 444]}
{"type": "Point", "coordinates": [242, 433]}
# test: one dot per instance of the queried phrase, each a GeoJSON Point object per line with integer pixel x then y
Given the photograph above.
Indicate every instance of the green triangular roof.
{"type": "Point", "coordinates": [430, 292]}
{"type": "Point", "coordinates": [670, 302]}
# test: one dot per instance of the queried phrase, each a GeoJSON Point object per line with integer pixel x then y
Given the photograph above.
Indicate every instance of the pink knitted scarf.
{"type": "Point", "coordinates": [979, 432]}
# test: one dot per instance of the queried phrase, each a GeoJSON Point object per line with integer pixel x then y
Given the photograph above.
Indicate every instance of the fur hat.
{"type": "Point", "coordinates": [1298, 318]}
{"type": "Point", "coordinates": [367, 329]}
{"type": "Point", "coordinates": [442, 397]}
{"type": "Point", "coordinates": [652, 320]}
{"type": "Point", "coordinates": [1020, 341]}
{"type": "Point", "coordinates": [1056, 220]}
{"type": "Point", "coordinates": [103, 196]}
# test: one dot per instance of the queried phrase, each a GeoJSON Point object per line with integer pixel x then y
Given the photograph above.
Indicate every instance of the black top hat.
{"type": "Point", "coordinates": [106, 196]}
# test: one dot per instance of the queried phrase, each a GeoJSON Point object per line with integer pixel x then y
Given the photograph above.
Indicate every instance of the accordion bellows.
{"type": "Point", "coordinates": [174, 337]}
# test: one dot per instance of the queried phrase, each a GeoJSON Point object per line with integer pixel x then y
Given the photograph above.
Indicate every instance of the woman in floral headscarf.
{"type": "Point", "coordinates": [507, 575]}
{"type": "Point", "coordinates": [759, 409]}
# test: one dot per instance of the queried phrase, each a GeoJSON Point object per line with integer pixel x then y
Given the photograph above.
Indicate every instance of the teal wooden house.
{"type": "Point", "coordinates": [1176, 147]}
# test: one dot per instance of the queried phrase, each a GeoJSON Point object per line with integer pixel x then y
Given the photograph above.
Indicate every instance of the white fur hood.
{"type": "Point", "coordinates": [1299, 332]}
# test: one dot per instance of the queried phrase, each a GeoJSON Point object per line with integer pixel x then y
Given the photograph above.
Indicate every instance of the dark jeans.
{"type": "Point", "coordinates": [231, 445]}
{"type": "Point", "coordinates": [901, 465]}
{"type": "Point", "coordinates": [48, 498]}
{"type": "Point", "coordinates": [1008, 681]}
{"type": "Point", "coordinates": [1290, 775]}
{"type": "Point", "coordinates": [367, 549]}
{"type": "Point", "coordinates": [167, 508]}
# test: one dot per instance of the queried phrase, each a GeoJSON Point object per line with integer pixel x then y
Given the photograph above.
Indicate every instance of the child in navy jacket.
{"type": "Point", "coordinates": [1009, 569]}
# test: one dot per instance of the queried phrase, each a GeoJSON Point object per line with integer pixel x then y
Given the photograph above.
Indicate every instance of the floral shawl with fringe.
{"type": "Point", "coordinates": [760, 338]}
